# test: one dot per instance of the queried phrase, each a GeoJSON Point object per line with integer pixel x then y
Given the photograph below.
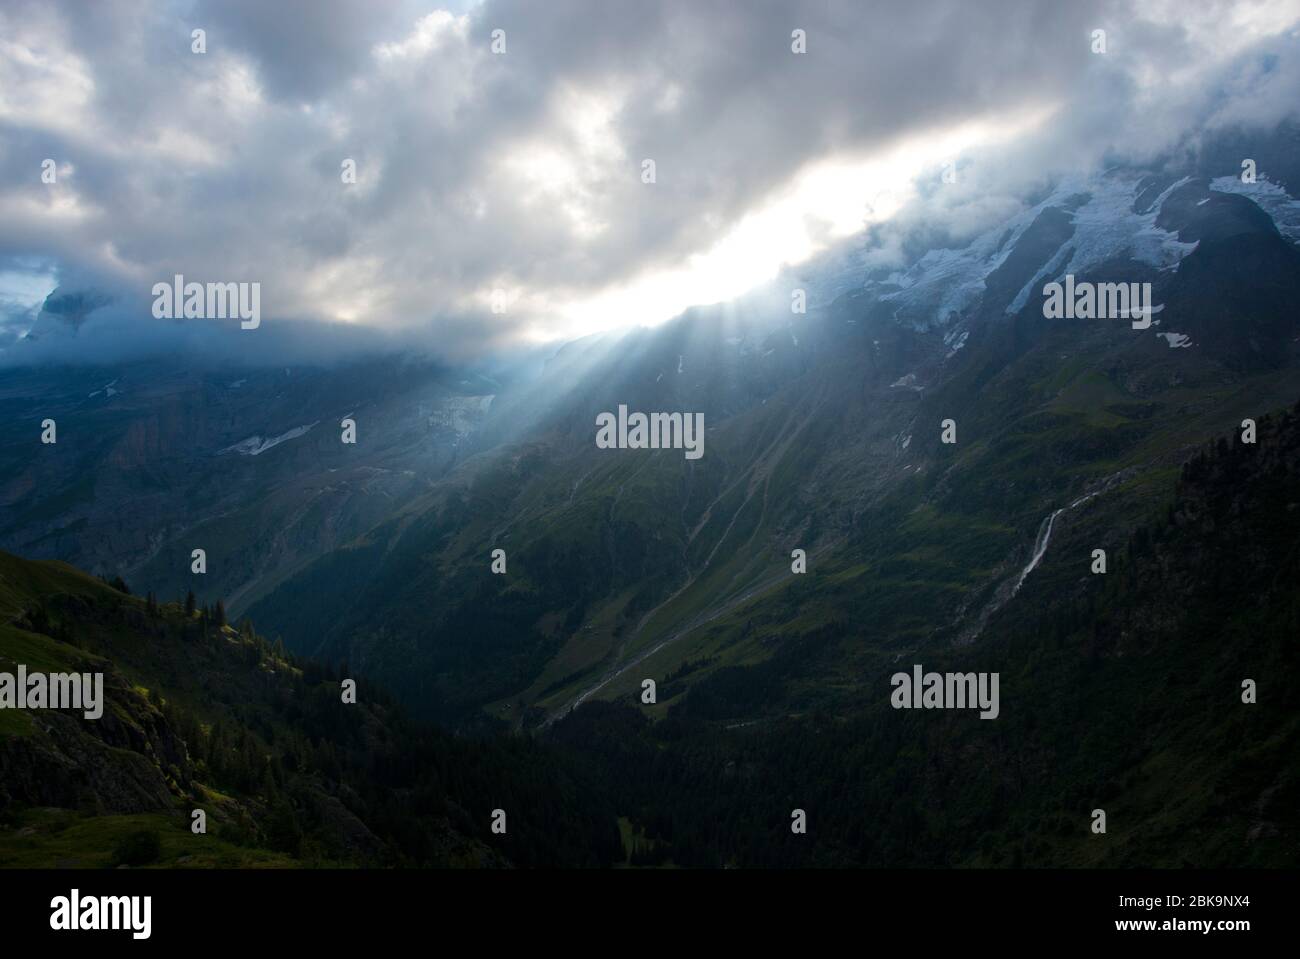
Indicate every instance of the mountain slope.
{"type": "Point", "coordinates": [823, 433]}
{"type": "Point", "coordinates": [154, 461]}
{"type": "Point", "coordinates": [201, 715]}
{"type": "Point", "coordinates": [1121, 692]}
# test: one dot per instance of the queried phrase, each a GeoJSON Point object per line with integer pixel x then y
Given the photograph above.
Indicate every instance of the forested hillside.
{"type": "Point", "coordinates": [202, 714]}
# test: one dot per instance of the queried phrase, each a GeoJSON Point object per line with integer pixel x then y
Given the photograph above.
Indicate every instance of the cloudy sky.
{"type": "Point", "coordinates": [519, 174]}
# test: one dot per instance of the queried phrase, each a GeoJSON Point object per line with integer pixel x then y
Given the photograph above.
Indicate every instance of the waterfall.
{"type": "Point", "coordinates": [1045, 534]}
{"type": "Point", "coordinates": [1040, 547]}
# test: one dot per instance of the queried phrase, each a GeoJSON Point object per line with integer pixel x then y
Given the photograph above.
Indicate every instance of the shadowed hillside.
{"type": "Point", "coordinates": [201, 714]}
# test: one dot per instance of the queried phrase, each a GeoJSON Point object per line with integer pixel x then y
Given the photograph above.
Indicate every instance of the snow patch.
{"type": "Point", "coordinates": [1270, 197]}
{"type": "Point", "coordinates": [256, 446]}
{"type": "Point", "coordinates": [1105, 228]}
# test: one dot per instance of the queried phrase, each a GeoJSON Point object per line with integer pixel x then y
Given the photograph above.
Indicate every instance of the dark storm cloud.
{"type": "Point", "coordinates": [521, 171]}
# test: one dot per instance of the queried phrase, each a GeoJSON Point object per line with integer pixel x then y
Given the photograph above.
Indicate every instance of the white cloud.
{"type": "Point", "coordinates": [521, 172]}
